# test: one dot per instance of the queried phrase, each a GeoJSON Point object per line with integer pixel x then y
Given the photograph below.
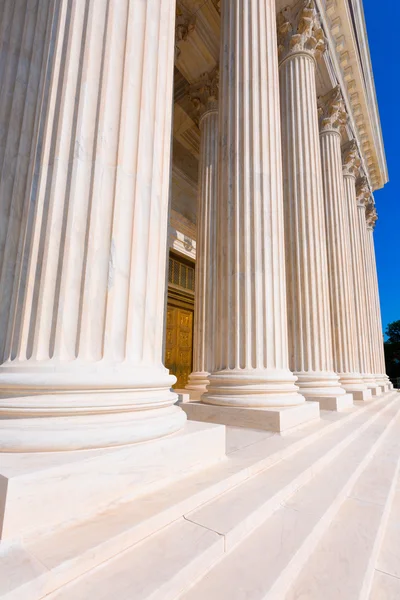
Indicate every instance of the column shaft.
{"type": "Point", "coordinates": [345, 360]}
{"type": "Point", "coordinates": [310, 339]}
{"type": "Point", "coordinates": [251, 355]}
{"type": "Point", "coordinates": [204, 95]}
{"type": "Point", "coordinates": [83, 337]}
{"type": "Point", "coordinates": [363, 195]}
{"type": "Point", "coordinates": [357, 275]}
{"type": "Point", "coordinates": [379, 363]}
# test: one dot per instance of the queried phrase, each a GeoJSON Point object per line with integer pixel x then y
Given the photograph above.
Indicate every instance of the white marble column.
{"type": "Point", "coordinates": [333, 117]}
{"type": "Point", "coordinates": [379, 363]}
{"type": "Point", "coordinates": [351, 165]}
{"type": "Point", "coordinates": [82, 342]}
{"type": "Point", "coordinates": [25, 30]}
{"type": "Point", "coordinates": [204, 95]}
{"type": "Point", "coordinates": [300, 40]}
{"type": "Point", "coordinates": [363, 197]}
{"type": "Point", "coordinates": [251, 354]}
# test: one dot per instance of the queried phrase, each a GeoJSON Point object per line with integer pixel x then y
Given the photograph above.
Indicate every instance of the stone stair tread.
{"type": "Point", "coordinates": [342, 565]}
{"type": "Point", "coordinates": [385, 587]}
{"type": "Point", "coordinates": [263, 565]}
{"type": "Point", "coordinates": [54, 560]}
{"type": "Point", "coordinates": [389, 555]}
{"type": "Point", "coordinates": [155, 569]}
{"type": "Point", "coordinates": [236, 512]}
{"type": "Point", "coordinates": [213, 481]}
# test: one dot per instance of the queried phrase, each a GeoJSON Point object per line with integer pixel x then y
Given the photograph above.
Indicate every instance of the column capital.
{"type": "Point", "coordinates": [300, 31]}
{"type": "Point", "coordinates": [363, 192]}
{"type": "Point", "coordinates": [332, 111]}
{"type": "Point", "coordinates": [204, 93]}
{"type": "Point", "coordinates": [351, 159]}
{"type": "Point", "coordinates": [371, 215]}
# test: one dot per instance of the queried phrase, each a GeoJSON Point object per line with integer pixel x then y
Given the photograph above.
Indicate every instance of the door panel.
{"type": "Point", "coordinates": [179, 343]}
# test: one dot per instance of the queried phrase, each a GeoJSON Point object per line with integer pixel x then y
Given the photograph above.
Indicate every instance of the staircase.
{"type": "Point", "coordinates": [311, 515]}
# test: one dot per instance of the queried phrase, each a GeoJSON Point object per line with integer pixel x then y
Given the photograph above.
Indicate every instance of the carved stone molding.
{"type": "Point", "coordinates": [332, 111]}
{"type": "Point", "coordinates": [351, 159]}
{"type": "Point", "coordinates": [363, 191]}
{"type": "Point", "coordinates": [204, 93]}
{"type": "Point", "coordinates": [299, 30]}
{"type": "Point", "coordinates": [184, 25]}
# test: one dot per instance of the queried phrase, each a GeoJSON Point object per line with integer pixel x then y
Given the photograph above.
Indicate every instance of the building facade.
{"type": "Point", "coordinates": [186, 197]}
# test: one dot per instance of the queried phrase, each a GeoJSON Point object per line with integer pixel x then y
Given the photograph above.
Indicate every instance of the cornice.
{"type": "Point", "coordinates": [348, 47]}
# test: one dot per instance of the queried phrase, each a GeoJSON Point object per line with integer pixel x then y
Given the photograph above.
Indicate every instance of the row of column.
{"type": "Point", "coordinates": [331, 303]}
{"type": "Point", "coordinates": [85, 137]}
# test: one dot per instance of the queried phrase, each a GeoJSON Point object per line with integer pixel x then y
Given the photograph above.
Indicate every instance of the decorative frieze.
{"type": "Point", "coordinates": [299, 30]}
{"type": "Point", "coordinates": [332, 111]}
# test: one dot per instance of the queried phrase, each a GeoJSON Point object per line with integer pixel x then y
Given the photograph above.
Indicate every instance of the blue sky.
{"type": "Point", "coordinates": [383, 42]}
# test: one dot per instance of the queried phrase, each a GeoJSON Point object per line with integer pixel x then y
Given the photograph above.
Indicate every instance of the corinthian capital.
{"type": "Point", "coordinates": [332, 111]}
{"type": "Point", "coordinates": [204, 93]}
{"type": "Point", "coordinates": [371, 215]}
{"type": "Point", "coordinates": [299, 30]}
{"type": "Point", "coordinates": [363, 192]}
{"type": "Point", "coordinates": [351, 159]}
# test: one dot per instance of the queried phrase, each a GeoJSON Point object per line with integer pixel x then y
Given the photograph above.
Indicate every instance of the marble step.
{"type": "Point", "coordinates": [265, 564]}
{"type": "Point", "coordinates": [343, 563]}
{"type": "Point", "coordinates": [386, 580]}
{"type": "Point", "coordinates": [154, 569]}
{"type": "Point", "coordinates": [51, 561]}
{"type": "Point", "coordinates": [237, 512]}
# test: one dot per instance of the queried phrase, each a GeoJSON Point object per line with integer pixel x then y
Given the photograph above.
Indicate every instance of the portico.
{"type": "Point", "coordinates": [234, 138]}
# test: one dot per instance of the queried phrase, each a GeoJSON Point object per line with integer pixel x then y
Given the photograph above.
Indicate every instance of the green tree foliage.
{"type": "Point", "coordinates": [393, 332]}
{"type": "Point", "coordinates": [392, 350]}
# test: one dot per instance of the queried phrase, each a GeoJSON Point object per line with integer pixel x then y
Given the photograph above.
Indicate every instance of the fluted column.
{"type": "Point", "coordinates": [333, 118]}
{"type": "Point", "coordinates": [24, 40]}
{"type": "Point", "coordinates": [363, 197]}
{"type": "Point", "coordinates": [300, 39]}
{"type": "Point", "coordinates": [82, 342]}
{"type": "Point", "coordinates": [351, 164]}
{"type": "Point", "coordinates": [379, 363]}
{"type": "Point", "coordinates": [251, 354]}
{"type": "Point", "coordinates": [204, 95]}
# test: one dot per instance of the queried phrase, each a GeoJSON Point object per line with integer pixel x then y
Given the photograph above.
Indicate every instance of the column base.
{"type": "Point", "coordinates": [336, 403]}
{"type": "Point", "coordinates": [39, 492]}
{"type": "Point", "coordinates": [197, 384]}
{"type": "Point", "coordinates": [319, 385]}
{"type": "Point", "coordinates": [253, 388]}
{"type": "Point", "coordinates": [271, 419]}
{"type": "Point", "coordinates": [62, 407]}
{"type": "Point", "coordinates": [362, 395]}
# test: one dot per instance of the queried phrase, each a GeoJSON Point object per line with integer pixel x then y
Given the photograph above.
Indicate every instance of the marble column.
{"type": "Point", "coordinates": [301, 40]}
{"type": "Point", "coordinates": [351, 165]}
{"type": "Point", "coordinates": [333, 118]}
{"type": "Point", "coordinates": [379, 363]}
{"type": "Point", "coordinates": [251, 354]}
{"type": "Point", "coordinates": [204, 95]}
{"type": "Point", "coordinates": [363, 197]}
{"type": "Point", "coordinates": [82, 343]}
{"type": "Point", "coordinates": [25, 31]}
